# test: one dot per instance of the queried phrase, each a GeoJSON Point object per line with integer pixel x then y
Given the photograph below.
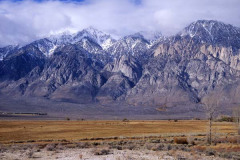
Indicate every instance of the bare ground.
{"type": "Point", "coordinates": [113, 154]}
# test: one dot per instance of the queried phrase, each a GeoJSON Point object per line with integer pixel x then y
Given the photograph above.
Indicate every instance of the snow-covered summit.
{"type": "Point", "coordinates": [48, 45]}
{"type": "Point", "coordinates": [99, 37]}
{"type": "Point", "coordinates": [212, 31]}
{"type": "Point", "coordinates": [93, 40]}
{"type": "Point", "coordinates": [103, 39]}
{"type": "Point", "coordinates": [134, 44]}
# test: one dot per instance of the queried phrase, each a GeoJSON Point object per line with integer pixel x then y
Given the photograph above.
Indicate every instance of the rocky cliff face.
{"type": "Point", "coordinates": [186, 67]}
{"type": "Point", "coordinates": [92, 67]}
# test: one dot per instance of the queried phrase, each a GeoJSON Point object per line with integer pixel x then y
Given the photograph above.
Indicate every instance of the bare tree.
{"type": "Point", "coordinates": [236, 109]}
{"type": "Point", "coordinates": [236, 116]}
{"type": "Point", "coordinates": [211, 104]}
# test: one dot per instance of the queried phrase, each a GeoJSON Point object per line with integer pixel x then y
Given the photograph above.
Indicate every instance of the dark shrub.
{"type": "Point", "coordinates": [210, 152]}
{"type": "Point", "coordinates": [160, 147]}
{"type": "Point", "coordinates": [155, 141]}
{"type": "Point", "coordinates": [101, 152]}
{"type": "Point", "coordinates": [125, 120]}
{"type": "Point", "coordinates": [225, 119]}
{"type": "Point", "coordinates": [51, 147]}
{"type": "Point", "coordinates": [169, 147]}
{"type": "Point", "coordinates": [83, 145]}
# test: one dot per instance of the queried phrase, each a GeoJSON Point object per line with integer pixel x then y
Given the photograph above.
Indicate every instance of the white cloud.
{"type": "Point", "coordinates": [24, 21]}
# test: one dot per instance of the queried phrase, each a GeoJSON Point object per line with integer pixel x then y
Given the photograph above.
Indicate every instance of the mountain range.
{"type": "Point", "coordinates": [139, 72]}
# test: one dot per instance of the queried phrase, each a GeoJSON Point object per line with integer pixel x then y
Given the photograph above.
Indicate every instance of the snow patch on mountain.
{"type": "Point", "coordinates": [209, 30]}
{"type": "Point", "coordinates": [108, 43]}
{"type": "Point", "coordinates": [99, 37]}
{"type": "Point", "coordinates": [8, 50]}
{"type": "Point", "coordinates": [51, 51]}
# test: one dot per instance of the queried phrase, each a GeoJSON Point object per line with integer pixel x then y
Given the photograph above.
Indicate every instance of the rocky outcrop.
{"type": "Point", "coordinates": [189, 65]}
{"type": "Point", "coordinates": [115, 88]}
{"type": "Point", "coordinates": [127, 65]}
{"type": "Point", "coordinates": [135, 45]}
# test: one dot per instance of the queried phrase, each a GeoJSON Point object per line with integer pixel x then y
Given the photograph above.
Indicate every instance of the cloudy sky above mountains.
{"type": "Point", "coordinates": [22, 21]}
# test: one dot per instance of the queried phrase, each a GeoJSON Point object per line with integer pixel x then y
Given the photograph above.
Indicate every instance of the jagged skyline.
{"type": "Point", "coordinates": [179, 70]}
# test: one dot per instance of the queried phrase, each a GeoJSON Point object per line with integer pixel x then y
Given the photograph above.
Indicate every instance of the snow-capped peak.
{"type": "Point", "coordinates": [210, 28]}
{"type": "Point", "coordinates": [64, 38]}
{"type": "Point", "coordinates": [215, 32]}
{"type": "Point", "coordinates": [100, 37]}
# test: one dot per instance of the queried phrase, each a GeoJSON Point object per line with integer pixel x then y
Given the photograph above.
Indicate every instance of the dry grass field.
{"type": "Point", "coordinates": [115, 140]}
{"type": "Point", "coordinates": [13, 131]}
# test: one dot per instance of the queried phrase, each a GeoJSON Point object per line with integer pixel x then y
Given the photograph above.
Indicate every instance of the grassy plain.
{"type": "Point", "coordinates": [12, 131]}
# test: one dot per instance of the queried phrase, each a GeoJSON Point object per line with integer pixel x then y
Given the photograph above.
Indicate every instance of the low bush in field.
{"type": "Point", "coordinates": [180, 140]}
{"type": "Point", "coordinates": [67, 119]}
{"type": "Point", "coordinates": [190, 140]}
{"type": "Point", "coordinates": [225, 119]}
{"type": "Point", "coordinates": [101, 151]}
{"type": "Point", "coordinates": [233, 139]}
{"type": "Point", "coordinates": [2, 148]}
{"type": "Point", "coordinates": [50, 147]}
{"type": "Point", "coordinates": [83, 145]}
{"type": "Point", "coordinates": [125, 120]}
{"type": "Point", "coordinates": [210, 152]}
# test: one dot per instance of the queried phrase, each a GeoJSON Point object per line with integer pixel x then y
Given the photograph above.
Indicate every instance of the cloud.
{"type": "Point", "coordinates": [24, 21]}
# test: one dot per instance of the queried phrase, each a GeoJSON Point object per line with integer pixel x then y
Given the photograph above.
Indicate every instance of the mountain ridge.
{"type": "Point", "coordinates": [175, 72]}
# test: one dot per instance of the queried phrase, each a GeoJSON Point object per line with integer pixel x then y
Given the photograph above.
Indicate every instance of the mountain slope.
{"type": "Point", "coordinates": [171, 74]}
{"type": "Point", "coordinates": [8, 50]}
{"type": "Point", "coordinates": [186, 67]}
{"type": "Point", "coordinates": [133, 45]}
{"type": "Point", "coordinates": [213, 32]}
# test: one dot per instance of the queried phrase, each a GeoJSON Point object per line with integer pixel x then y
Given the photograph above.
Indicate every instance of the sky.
{"type": "Point", "coordinates": [22, 21]}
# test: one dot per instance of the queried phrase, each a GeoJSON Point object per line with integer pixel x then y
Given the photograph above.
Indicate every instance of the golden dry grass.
{"type": "Point", "coordinates": [75, 130]}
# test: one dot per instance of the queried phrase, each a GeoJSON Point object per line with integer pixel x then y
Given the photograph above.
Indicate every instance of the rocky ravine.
{"type": "Point", "coordinates": [172, 73]}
